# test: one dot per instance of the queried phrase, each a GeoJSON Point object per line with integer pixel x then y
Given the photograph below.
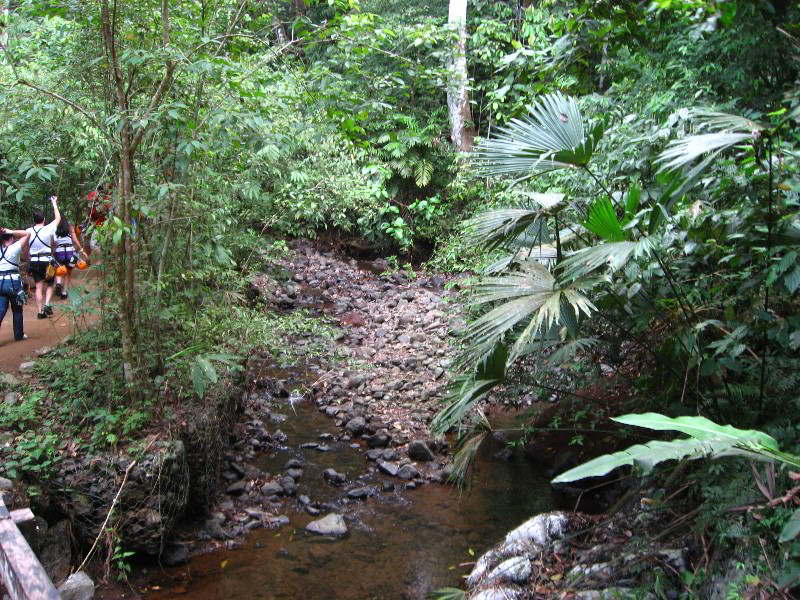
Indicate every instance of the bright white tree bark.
{"type": "Point", "coordinates": [461, 129]}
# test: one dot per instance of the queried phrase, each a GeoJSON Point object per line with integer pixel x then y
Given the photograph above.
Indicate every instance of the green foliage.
{"type": "Point", "coordinates": [706, 439]}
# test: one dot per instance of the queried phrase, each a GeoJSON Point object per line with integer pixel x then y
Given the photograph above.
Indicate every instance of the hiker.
{"type": "Point", "coordinates": [66, 255]}
{"type": "Point", "coordinates": [11, 291]}
{"type": "Point", "coordinates": [99, 209]}
{"type": "Point", "coordinates": [40, 248]}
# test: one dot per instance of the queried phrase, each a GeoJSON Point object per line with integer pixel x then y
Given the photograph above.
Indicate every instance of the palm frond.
{"type": "Point", "coordinates": [718, 121]}
{"type": "Point", "coordinates": [495, 228]}
{"type": "Point", "coordinates": [602, 220]}
{"type": "Point", "coordinates": [684, 151]}
{"type": "Point", "coordinates": [527, 299]}
{"type": "Point", "coordinates": [466, 390]}
{"type": "Point", "coordinates": [551, 137]}
{"type": "Point", "coordinates": [613, 255]}
{"type": "Point", "coordinates": [726, 131]}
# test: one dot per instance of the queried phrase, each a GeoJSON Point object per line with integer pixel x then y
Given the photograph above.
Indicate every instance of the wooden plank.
{"type": "Point", "coordinates": [22, 515]}
{"type": "Point", "coordinates": [22, 574]}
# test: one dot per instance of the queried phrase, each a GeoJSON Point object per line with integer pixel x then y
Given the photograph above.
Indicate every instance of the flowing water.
{"type": "Point", "coordinates": [401, 543]}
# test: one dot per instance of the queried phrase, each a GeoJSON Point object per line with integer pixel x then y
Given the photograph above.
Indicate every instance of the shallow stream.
{"type": "Point", "coordinates": [401, 543]}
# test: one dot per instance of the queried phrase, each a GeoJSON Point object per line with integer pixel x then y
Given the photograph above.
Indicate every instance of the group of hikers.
{"type": "Point", "coordinates": [54, 250]}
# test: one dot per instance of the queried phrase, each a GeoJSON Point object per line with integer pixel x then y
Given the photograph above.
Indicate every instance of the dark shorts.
{"type": "Point", "coordinates": [38, 269]}
{"type": "Point", "coordinates": [66, 258]}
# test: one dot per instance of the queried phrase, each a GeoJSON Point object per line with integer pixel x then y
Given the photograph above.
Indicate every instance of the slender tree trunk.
{"type": "Point", "coordinates": [462, 131]}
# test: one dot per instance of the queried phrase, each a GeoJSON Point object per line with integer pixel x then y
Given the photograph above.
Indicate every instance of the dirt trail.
{"type": "Point", "coordinates": [41, 333]}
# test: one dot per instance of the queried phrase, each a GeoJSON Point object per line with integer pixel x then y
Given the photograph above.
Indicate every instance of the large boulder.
{"type": "Point", "coordinates": [506, 563]}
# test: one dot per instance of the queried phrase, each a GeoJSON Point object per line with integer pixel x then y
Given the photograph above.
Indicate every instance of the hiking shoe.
{"type": "Point", "coordinates": [64, 295]}
{"type": "Point", "coordinates": [23, 338]}
{"type": "Point", "coordinates": [48, 310]}
{"type": "Point", "coordinates": [41, 315]}
{"type": "Point", "coordinates": [58, 289]}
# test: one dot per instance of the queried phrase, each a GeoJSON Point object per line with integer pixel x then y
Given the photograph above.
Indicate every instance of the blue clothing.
{"type": "Point", "coordinates": [10, 288]}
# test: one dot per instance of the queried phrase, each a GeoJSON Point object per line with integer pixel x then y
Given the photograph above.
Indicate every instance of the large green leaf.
{"type": "Point", "coordinates": [707, 439]}
{"type": "Point", "coordinates": [699, 428]}
{"type": "Point", "coordinates": [644, 456]}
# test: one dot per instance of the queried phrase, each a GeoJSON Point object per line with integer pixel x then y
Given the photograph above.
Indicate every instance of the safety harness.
{"type": "Point", "coordinates": [44, 254]}
{"type": "Point", "coordinates": [5, 272]}
{"type": "Point", "coordinates": [64, 244]}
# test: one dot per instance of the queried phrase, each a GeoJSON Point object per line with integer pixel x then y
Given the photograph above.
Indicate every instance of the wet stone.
{"type": "Point", "coordinates": [293, 463]}
{"type": "Point", "coordinates": [289, 486]}
{"type": "Point", "coordinates": [332, 524]}
{"type": "Point", "coordinates": [295, 473]}
{"type": "Point", "coordinates": [407, 472]}
{"type": "Point", "coordinates": [361, 492]}
{"type": "Point", "coordinates": [175, 555]}
{"type": "Point", "coordinates": [236, 489]}
{"type": "Point", "coordinates": [271, 489]}
{"type": "Point", "coordinates": [418, 450]}
{"type": "Point", "coordinates": [374, 454]}
{"type": "Point", "coordinates": [356, 426]}
{"type": "Point", "coordinates": [214, 529]}
{"type": "Point", "coordinates": [334, 476]}
{"type": "Point", "coordinates": [389, 468]}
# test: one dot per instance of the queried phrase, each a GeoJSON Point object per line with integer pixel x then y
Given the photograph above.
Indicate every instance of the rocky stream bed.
{"type": "Point", "coordinates": [325, 481]}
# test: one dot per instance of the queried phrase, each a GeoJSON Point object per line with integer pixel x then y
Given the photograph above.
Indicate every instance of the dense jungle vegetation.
{"type": "Point", "coordinates": [623, 191]}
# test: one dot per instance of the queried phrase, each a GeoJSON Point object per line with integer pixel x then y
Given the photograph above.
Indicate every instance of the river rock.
{"type": "Point", "coordinates": [418, 450]}
{"type": "Point", "coordinates": [389, 468]}
{"type": "Point", "coordinates": [497, 593]}
{"type": "Point", "coordinates": [355, 426]}
{"type": "Point", "coordinates": [215, 530]}
{"type": "Point", "coordinates": [79, 586]}
{"type": "Point", "coordinates": [295, 473]}
{"type": "Point", "coordinates": [236, 489]}
{"type": "Point", "coordinates": [379, 439]}
{"type": "Point", "coordinates": [407, 472]}
{"type": "Point", "coordinates": [374, 454]}
{"type": "Point", "coordinates": [11, 398]}
{"type": "Point", "coordinates": [293, 463]}
{"type": "Point", "coordinates": [175, 555]}
{"type": "Point", "coordinates": [334, 476]}
{"type": "Point", "coordinates": [514, 570]}
{"type": "Point", "coordinates": [361, 492]}
{"type": "Point", "coordinates": [332, 524]}
{"type": "Point", "coordinates": [271, 489]}
{"type": "Point", "coordinates": [289, 486]}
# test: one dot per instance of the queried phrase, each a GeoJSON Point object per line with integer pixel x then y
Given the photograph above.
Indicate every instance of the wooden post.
{"type": "Point", "coordinates": [23, 575]}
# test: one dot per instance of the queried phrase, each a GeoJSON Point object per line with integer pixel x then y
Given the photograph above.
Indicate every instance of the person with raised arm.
{"type": "Point", "coordinates": [40, 249]}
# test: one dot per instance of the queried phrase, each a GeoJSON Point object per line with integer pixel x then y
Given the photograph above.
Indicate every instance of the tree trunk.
{"type": "Point", "coordinates": [462, 131]}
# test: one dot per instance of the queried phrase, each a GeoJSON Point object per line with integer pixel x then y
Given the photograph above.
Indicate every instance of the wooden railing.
{"type": "Point", "coordinates": [23, 575]}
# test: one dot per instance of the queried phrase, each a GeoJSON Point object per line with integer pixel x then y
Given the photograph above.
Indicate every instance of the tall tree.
{"type": "Point", "coordinates": [462, 131]}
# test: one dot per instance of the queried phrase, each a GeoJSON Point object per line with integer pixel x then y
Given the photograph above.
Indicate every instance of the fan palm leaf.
{"type": "Point", "coordinates": [527, 299]}
{"type": "Point", "coordinates": [551, 137]}
{"type": "Point", "coordinates": [726, 131]}
{"type": "Point", "coordinates": [613, 255]}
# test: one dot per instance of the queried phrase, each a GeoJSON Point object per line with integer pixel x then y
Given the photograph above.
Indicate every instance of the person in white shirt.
{"type": "Point", "coordinates": [11, 292]}
{"type": "Point", "coordinates": [40, 248]}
